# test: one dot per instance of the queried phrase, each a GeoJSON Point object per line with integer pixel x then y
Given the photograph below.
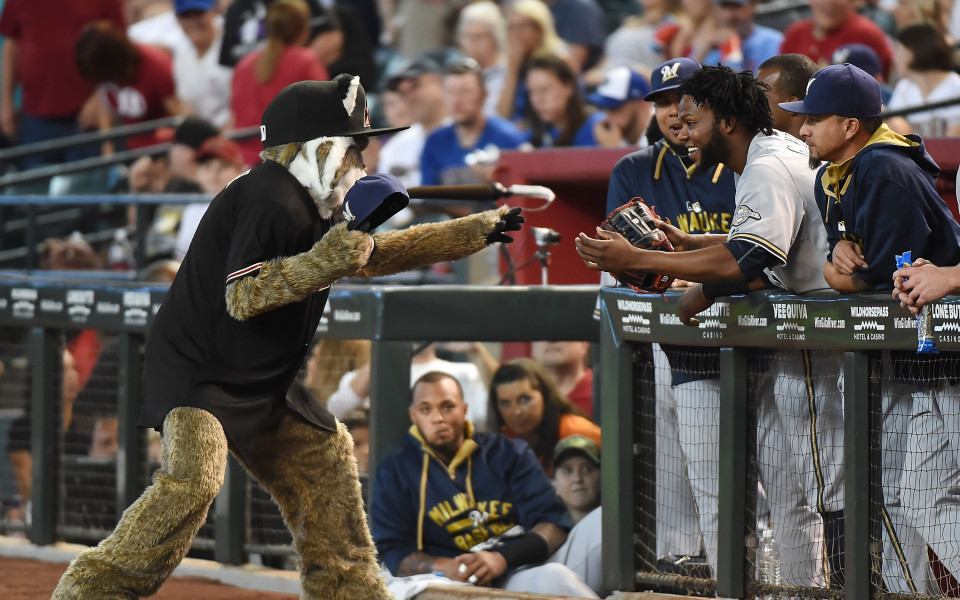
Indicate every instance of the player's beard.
{"type": "Point", "coordinates": [812, 162]}
{"type": "Point", "coordinates": [713, 152]}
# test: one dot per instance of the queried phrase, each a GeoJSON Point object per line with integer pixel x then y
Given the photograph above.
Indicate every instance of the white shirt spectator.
{"type": "Point", "coordinates": [474, 391]}
{"type": "Point", "coordinates": [203, 82]}
{"type": "Point", "coordinates": [494, 78]}
{"type": "Point", "coordinates": [159, 30]}
{"type": "Point", "coordinates": [930, 123]}
{"type": "Point", "coordinates": [192, 213]}
{"type": "Point", "coordinates": [400, 156]}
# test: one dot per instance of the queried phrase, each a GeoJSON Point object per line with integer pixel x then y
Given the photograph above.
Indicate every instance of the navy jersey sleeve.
{"type": "Point", "coordinates": [624, 181]}
{"type": "Point", "coordinates": [891, 221]}
{"type": "Point", "coordinates": [262, 232]}
{"type": "Point", "coordinates": [531, 489]}
{"type": "Point", "coordinates": [751, 258]}
{"type": "Point", "coordinates": [393, 515]}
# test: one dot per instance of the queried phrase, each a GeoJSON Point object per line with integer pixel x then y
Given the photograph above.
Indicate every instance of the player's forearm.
{"type": "Point", "coordinates": [708, 240]}
{"type": "Point", "coordinates": [554, 536]}
{"type": "Point", "coordinates": [713, 264]}
{"type": "Point", "coordinates": [843, 283]}
{"type": "Point", "coordinates": [953, 278]}
{"type": "Point", "coordinates": [416, 563]}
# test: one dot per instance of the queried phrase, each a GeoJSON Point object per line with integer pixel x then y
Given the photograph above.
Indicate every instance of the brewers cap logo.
{"type": "Point", "coordinates": [743, 213]}
{"type": "Point", "coordinates": [809, 83]}
{"type": "Point", "coordinates": [668, 72]}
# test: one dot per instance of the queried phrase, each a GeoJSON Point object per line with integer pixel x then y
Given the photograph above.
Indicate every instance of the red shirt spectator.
{"type": "Point", "coordinates": [802, 37]}
{"type": "Point", "coordinates": [249, 98]}
{"type": "Point", "coordinates": [582, 394]}
{"type": "Point", "coordinates": [45, 32]}
{"type": "Point", "coordinates": [145, 98]}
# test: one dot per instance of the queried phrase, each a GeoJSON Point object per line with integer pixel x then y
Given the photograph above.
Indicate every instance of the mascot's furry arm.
{"type": "Point", "coordinates": [283, 281]}
{"type": "Point", "coordinates": [340, 253]}
{"type": "Point", "coordinates": [401, 250]}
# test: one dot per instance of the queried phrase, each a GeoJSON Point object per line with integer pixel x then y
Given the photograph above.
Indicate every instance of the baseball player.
{"type": "Point", "coordinates": [776, 240]}
{"type": "Point", "coordinates": [878, 198]}
{"type": "Point", "coordinates": [687, 377]}
{"type": "Point", "coordinates": [232, 334]}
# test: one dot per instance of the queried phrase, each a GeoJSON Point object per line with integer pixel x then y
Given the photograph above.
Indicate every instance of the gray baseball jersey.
{"type": "Point", "coordinates": [776, 210]}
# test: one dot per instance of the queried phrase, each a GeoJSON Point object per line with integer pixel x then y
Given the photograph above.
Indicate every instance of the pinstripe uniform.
{"type": "Point", "coordinates": [801, 414]}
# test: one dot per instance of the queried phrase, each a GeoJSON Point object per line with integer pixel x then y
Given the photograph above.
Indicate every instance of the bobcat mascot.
{"type": "Point", "coordinates": [230, 337]}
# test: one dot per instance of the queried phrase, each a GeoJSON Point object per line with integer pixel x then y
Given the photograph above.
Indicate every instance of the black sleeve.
{"type": "Point", "coordinates": [231, 34]}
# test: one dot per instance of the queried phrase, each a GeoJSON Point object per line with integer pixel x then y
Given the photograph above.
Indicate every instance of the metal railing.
{"type": "Point", "coordinates": [393, 317]}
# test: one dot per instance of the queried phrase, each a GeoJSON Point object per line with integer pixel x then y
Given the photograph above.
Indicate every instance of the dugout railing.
{"type": "Point", "coordinates": [393, 317]}
{"type": "Point", "coordinates": [36, 311]}
{"type": "Point", "coordinates": [748, 330]}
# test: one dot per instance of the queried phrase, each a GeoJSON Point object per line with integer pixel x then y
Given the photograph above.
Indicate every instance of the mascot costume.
{"type": "Point", "coordinates": [230, 337]}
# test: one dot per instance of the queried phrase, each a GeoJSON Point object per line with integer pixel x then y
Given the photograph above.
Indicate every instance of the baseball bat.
{"type": "Point", "coordinates": [479, 192]}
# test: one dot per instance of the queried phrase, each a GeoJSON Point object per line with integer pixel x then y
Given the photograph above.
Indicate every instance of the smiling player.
{"type": "Point", "coordinates": [776, 239]}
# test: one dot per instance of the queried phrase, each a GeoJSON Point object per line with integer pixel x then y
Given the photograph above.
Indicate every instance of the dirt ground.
{"type": "Point", "coordinates": [22, 579]}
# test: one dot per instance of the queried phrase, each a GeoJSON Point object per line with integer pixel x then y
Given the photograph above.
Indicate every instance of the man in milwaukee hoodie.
{"type": "Point", "coordinates": [454, 505]}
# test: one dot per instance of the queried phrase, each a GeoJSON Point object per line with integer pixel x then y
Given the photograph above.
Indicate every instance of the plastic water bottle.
{"type": "Point", "coordinates": [120, 255]}
{"type": "Point", "coordinates": [768, 560]}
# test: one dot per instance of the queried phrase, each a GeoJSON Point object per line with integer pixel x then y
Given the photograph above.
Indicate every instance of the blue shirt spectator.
{"type": "Point", "coordinates": [444, 158]}
{"type": "Point", "coordinates": [757, 43]}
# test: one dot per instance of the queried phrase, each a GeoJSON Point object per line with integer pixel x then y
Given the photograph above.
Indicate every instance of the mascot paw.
{"type": "Point", "coordinates": [510, 220]}
{"type": "Point", "coordinates": [348, 250]}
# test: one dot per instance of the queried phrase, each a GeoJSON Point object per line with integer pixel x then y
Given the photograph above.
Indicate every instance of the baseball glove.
{"type": "Point", "coordinates": [635, 222]}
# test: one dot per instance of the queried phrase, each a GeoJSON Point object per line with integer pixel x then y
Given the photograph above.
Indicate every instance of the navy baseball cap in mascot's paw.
{"type": "Point", "coordinates": [669, 75]}
{"type": "Point", "coordinates": [372, 200]}
{"type": "Point", "coordinates": [842, 90]}
{"type": "Point", "coordinates": [308, 110]}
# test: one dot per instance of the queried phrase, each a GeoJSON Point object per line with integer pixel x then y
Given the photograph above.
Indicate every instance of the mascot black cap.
{"type": "Point", "coordinates": [307, 110]}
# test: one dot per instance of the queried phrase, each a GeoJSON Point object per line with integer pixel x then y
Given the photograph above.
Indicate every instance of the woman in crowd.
{"type": "Point", "coordinates": [260, 75]}
{"type": "Point", "coordinates": [560, 117]}
{"type": "Point", "coordinates": [525, 403]}
{"type": "Point", "coordinates": [530, 33]}
{"type": "Point", "coordinates": [924, 63]}
{"type": "Point", "coordinates": [134, 81]}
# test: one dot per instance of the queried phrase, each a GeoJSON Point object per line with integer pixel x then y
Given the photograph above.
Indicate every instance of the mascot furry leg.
{"type": "Point", "coordinates": [312, 476]}
{"type": "Point", "coordinates": [155, 532]}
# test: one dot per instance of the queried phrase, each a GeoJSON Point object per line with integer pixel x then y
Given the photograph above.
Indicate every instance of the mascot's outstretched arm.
{"type": "Point", "coordinates": [421, 245]}
{"type": "Point", "coordinates": [286, 280]}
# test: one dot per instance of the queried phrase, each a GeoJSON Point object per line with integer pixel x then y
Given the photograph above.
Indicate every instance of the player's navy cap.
{"type": "Point", "coordinates": [620, 85]}
{"type": "Point", "coordinates": [307, 110]}
{"type": "Point", "coordinates": [183, 6]}
{"type": "Point", "coordinates": [372, 200]}
{"type": "Point", "coordinates": [576, 444]}
{"type": "Point", "coordinates": [669, 75]}
{"type": "Point", "coordinates": [858, 55]}
{"type": "Point", "coordinates": [843, 90]}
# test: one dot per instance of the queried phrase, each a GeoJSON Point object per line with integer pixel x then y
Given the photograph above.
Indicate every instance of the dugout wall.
{"type": "Point", "coordinates": [886, 414]}
{"type": "Point", "coordinates": [35, 312]}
